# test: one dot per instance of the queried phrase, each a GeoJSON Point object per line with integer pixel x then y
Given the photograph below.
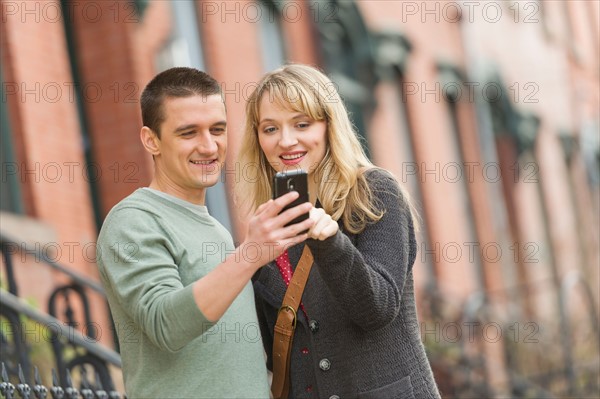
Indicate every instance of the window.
{"type": "Point", "coordinates": [451, 78]}
{"type": "Point", "coordinates": [590, 147]}
{"type": "Point", "coordinates": [184, 48]}
{"type": "Point", "coordinates": [83, 122]}
{"type": "Point", "coordinates": [413, 185]}
{"type": "Point", "coordinates": [271, 36]}
{"type": "Point", "coordinates": [348, 57]}
{"type": "Point", "coordinates": [10, 189]}
{"type": "Point", "coordinates": [392, 50]}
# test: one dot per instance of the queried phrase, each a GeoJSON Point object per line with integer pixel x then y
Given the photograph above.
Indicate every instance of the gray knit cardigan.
{"type": "Point", "coordinates": [360, 335]}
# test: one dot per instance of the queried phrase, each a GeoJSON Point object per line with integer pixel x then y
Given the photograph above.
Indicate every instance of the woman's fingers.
{"type": "Point", "coordinates": [330, 230]}
{"type": "Point", "coordinates": [324, 226]}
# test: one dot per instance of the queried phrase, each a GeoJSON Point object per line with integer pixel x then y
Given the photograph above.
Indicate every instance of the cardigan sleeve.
{"type": "Point", "coordinates": [367, 277]}
{"type": "Point", "coordinates": [265, 330]}
{"type": "Point", "coordinates": [140, 272]}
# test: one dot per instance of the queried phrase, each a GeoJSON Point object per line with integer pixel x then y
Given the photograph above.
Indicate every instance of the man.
{"type": "Point", "coordinates": [184, 312]}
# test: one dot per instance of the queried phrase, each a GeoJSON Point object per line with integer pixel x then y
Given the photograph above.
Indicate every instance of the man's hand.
{"type": "Point", "coordinates": [267, 232]}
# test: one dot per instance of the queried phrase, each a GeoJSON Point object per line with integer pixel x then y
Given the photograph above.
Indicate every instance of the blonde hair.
{"type": "Point", "coordinates": [343, 189]}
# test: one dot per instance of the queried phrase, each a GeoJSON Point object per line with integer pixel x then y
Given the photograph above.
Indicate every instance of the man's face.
{"type": "Point", "coordinates": [192, 145]}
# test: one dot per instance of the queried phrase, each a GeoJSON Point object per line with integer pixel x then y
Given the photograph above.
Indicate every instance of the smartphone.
{"type": "Point", "coordinates": [294, 180]}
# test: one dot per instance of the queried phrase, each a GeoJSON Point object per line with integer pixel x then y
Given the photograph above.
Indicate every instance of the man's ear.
{"type": "Point", "coordinates": [150, 140]}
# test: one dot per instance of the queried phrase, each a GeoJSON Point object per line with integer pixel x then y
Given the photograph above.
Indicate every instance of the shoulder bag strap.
{"type": "Point", "coordinates": [286, 324]}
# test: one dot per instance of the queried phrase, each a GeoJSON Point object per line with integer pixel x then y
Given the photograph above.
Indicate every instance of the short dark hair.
{"type": "Point", "coordinates": [174, 82]}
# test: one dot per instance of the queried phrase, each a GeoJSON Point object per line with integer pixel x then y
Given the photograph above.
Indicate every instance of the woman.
{"type": "Point", "coordinates": [357, 334]}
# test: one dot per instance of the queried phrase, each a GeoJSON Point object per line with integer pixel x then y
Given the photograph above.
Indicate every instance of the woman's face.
{"type": "Point", "coordinates": [290, 140]}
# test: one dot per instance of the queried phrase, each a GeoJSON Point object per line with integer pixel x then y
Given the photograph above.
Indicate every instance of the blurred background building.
{"type": "Point", "coordinates": [488, 112]}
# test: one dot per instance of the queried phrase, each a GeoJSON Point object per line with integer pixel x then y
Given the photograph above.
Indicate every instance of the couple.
{"type": "Point", "coordinates": [188, 319]}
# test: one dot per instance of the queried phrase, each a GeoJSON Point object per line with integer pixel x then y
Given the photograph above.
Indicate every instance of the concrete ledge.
{"type": "Point", "coordinates": [26, 231]}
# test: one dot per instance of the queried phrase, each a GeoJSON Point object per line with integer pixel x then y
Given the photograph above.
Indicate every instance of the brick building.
{"type": "Point", "coordinates": [487, 111]}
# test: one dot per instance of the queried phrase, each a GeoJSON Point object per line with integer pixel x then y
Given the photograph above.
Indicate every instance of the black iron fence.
{"type": "Point", "coordinates": [88, 389]}
{"type": "Point", "coordinates": [76, 352]}
{"type": "Point", "coordinates": [562, 359]}
{"type": "Point", "coordinates": [555, 356]}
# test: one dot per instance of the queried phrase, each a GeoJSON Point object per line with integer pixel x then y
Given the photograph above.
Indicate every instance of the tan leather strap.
{"type": "Point", "coordinates": [286, 324]}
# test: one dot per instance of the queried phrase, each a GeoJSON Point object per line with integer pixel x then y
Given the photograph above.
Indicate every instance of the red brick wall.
{"type": "Point", "coordinates": [107, 60]}
{"type": "Point", "coordinates": [298, 24]}
{"type": "Point", "coordinates": [48, 142]}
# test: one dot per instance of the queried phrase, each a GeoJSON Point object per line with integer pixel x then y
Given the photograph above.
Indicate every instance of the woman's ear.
{"type": "Point", "coordinates": [150, 140]}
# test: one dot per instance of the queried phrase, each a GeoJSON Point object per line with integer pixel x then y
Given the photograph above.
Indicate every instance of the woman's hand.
{"type": "Point", "coordinates": [324, 226]}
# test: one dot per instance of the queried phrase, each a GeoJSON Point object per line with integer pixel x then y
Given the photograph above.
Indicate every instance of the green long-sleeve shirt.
{"type": "Point", "coordinates": [150, 250]}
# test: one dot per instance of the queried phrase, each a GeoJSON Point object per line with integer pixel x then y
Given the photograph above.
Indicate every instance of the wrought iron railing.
{"type": "Point", "coordinates": [74, 351]}
{"type": "Point", "coordinates": [57, 391]}
{"type": "Point", "coordinates": [545, 367]}
{"type": "Point", "coordinates": [529, 373]}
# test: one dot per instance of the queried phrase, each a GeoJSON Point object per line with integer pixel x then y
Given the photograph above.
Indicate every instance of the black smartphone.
{"type": "Point", "coordinates": [294, 180]}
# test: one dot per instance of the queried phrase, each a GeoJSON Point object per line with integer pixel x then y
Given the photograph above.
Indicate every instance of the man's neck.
{"type": "Point", "coordinates": [197, 197]}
